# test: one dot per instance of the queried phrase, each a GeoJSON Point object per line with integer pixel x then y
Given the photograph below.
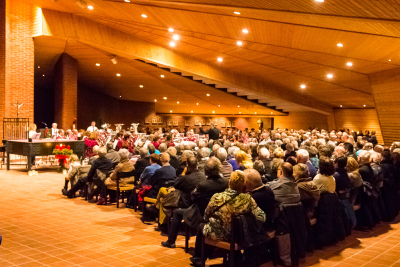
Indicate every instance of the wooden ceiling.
{"type": "Point", "coordinates": [289, 43]}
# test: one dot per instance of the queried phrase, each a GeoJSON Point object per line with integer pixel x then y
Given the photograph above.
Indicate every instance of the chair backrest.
{"type": "Point", "coordinates": [121, 175]}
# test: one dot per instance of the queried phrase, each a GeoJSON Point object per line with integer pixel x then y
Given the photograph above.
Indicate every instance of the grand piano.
{"type": "Point", "coordinates": [43, 147]}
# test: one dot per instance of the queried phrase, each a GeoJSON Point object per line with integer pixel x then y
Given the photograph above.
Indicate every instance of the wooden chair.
{"type": "Point", "coordinates": [122, 189]}
{"type": "Point", "coordinates": [147, 200]}
{"type": "Point", "coordinates": [231, 246]}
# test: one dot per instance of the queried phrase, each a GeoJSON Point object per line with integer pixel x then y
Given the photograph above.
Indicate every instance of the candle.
{"type": "Point", "coordinates": [30, 173]}
{"type": "Point", "coordinates": [65, 172]}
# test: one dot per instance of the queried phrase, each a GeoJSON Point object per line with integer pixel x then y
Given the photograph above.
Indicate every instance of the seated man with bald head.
{"type": "Point", "coordinates": [285, 188]}
{"type": "Point", "coordinates": [261, 193]}
{"type": "Point", "coordinates": [163, 177]}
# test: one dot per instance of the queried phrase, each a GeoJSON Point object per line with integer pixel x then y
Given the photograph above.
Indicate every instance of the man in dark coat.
{"type": "Point", "coordinates": [163, 177]}
{"type": "Point", "coordinates": [202, 194]}
{"type": "Point", "coordinates": [185, 184]}
{"type": "Point", "coordinates": [174, 161]}
{"type": "Point", "coordinates": [365, 170]}
{"type": "Point", "coordinates": [213, 133]}
{"type": "Point", "coordinates": [143, 162]}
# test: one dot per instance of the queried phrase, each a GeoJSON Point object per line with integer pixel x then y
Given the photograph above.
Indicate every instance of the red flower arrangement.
{"type": "Point", "coordinates": [62, 152]}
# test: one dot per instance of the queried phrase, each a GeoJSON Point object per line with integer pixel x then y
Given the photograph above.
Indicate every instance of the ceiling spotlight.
{"type": "Point", "coordinates": [165, 97]}
{"type": "Point", "coordinates": [197, 103]}
{"type": "Point", "coordinates": [90, 7]}
{"type": "Point", "coordinates": [118, 74]}
{"type": "Point", "coordinates": [192, 111]}
{"type": "Point", "coordinates": [141, 86]}
{"type": "Point", "coordinates": [236, 12]}
{"type": "Point", "coordinates": [239, 43]}
{"type": "Point", "coordinates": [171, 30]}
{"type": "Point", "coordinates": [321, 1]}
{"type": "Point", "coordinates": [114, 60]}
{"type": "Point", "coordinates": [162, 76]}
{"type": "Point", "coordinates": [255, 112]}
{"type": "Point", "coordinates": [365, 106]}
{"type": "Point", "coordinates": [81, 3]}
{"type": "Point", "coordinates": [220, 59]}
{"type": "Point", "coordinates": [390, 60]}
{"type": "Point", "coordinates": [272, 113]}
{"type": "Point", "coordinates": [175, 37]}
{"type": "Point", "coordinates": [120, 95]}
{"type": "Point", "coordinates": [341, 106]}
{"type": "Point", "coordinates": [127, 1]}
{"type": "Point", "coordinates": [170, 111]}
{"type": "Point", "coordinates": [213, 111]}
{"type": "Point", "coordinates": [172, 44]}
{"type": "Point", "coordinates": [303, 86]}
{"type": "Point", "coordinates": [144, 16]}
{"type": "Point", "coordinates": [208, 94]}
{"type": "Point", "coordinates": [98, 64]}
{"type": "Point", "coordinates": [349, 64]}
{"type": "Point", "coordinates": [155, 100]}
{"type": "Point", "coordinates": [329, 76]}
{"type": "Point", "coordinates": [240, 112]}
{"type": "Point", "coordinates": [245, 31]}
{"type": "Point", "coordinates": [340, 45]}
{"type": "Point", "coordinates": [38, 67]}
{"type": "Point", "coordinates": [44, 75]}
{"type": "Point", "coordinates": [238, 106]}
{"type": "Point", "coordinates": [177, 102]}
{"type": "Point", "coordinates": [219, 105]}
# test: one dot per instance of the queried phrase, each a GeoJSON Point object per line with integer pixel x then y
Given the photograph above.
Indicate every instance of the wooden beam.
{"type": "Point", "coordinates": [69, 26]}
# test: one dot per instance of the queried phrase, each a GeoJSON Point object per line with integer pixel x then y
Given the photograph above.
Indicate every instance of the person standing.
{"type": "Point", "coordinates": [213, 133]}
{"type": "Point", "coordinates": [92, 127]}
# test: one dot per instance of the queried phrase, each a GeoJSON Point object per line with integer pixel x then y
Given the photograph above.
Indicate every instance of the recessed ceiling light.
{"type": "Point", "coordinates": [43, 75]}
{"type": "Point", "coordinates": [170, 111]}
{"type": "Point", "coordinates": [272, 113]}
{"type": "Point", "coordinates": [165, 97]}
{"type": "Point", "coordinates": [240, 112]}
{"type": "Point", "coordinates": [97, 64]}
{"type": "Point", "coordinates": [162, 76]}
{"type": "Point", "coordinates": [144, 16]}
{"type": "Point", "coordinates": [237, 12]}
{"type": "Point", "coordinates": [340, 45]}
{"type": "Point", "coordinates": [141, 86]}
{"type": "Point", "coordinates": [175, 37]}
{"type": "Point", "coordinates": [255, 112]}
{"type": "Point", "coordinates": [38, 67]}
{"type": "Point", "coordinates": [303, 86]}
{"type": "Point", "coordinates": [207, 95]}
{"type": "Point", "coordinates": [341, 106]}
{"type": "Point", "coordinates": [171, 30]}
{"type": "Point", "coordinates": [238, 106]}
{"type": "Point", "coordinates": [172, 44]}
{"type": "Point", "coordinates": [127, 1]}
{"type": "Point", "coordinates": [118, 74]}
{"type": "Point", "coordinates": [321, 1]}
{"type": "Point", "coordinates": [213, 111]}
{"type": "Point", "coordinates": [329, 76]}
{"type": "Point", "coordinates": [220, 59]}
{"type": "Point", "coordinates": [155, 100]}
{"type": "Point", "coordinates": [365, 106]}
{"type": "Point", "coordinates": [90, 7]}
{"type": "Point", "coordinates": [197, 103]}
{"type": "Point", "coordinates": [245, 31]}
{"type": "Point", "coordinates": [349, 64]}
{"type": "Point", "coordinates": [390, 60]}
{"type": "Point", "coordinates": [192, 111]}
{"type": "Point", "coordinates": [239, 43]}
{"type": "Point", "coordinates": [219, 105]}
{"type": "Point", "coordinates": [177, 102]}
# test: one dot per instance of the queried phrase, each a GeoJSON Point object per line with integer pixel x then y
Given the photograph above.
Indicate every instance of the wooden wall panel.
{"type": "Point", "coordinates": [301, 120]}
{"type": "Point", "coordinates": [358, 119]}
{"type": "Point", "coordinates": [385, 86]}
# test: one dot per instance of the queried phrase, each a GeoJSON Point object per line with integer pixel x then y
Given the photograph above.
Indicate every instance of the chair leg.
{"type": "Point", "coordinates": [187, 238]}
{"type": "Point", "coordinates": [203, 253]}
{"type": "Point", "coordinates": [86, 192]}
{"type": "Point", "coordinates": [231, 258]}
{"type": "Point", "coordinates": [135, 200]}
{"type": "Point", "coordinates": [123, 196]}
{"type": "Point", "coordinates": [118, 198]}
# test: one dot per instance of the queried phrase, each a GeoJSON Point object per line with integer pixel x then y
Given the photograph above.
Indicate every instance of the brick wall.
{"type": "Point", "coordinates": [65, 91]}
{"type": "Point", "coordinates": [16, 59]}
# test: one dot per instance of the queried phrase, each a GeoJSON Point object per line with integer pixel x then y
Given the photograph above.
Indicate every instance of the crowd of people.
{"type": "Point", "coordinates": [345, 180]}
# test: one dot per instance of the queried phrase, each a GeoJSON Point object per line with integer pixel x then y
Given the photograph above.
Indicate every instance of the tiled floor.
{"type": "Point", "coordinates": [40, 227]}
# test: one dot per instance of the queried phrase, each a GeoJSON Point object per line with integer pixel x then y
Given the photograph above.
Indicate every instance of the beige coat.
{"type": "Point", "coordinates": [123, 166]}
